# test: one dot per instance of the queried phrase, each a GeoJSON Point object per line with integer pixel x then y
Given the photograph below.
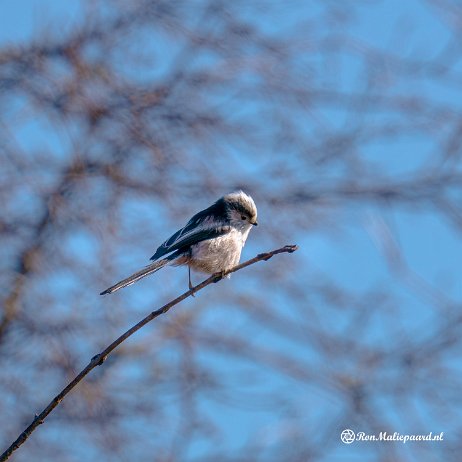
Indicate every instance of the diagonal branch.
{"type": "Point", "coordinates": [101, 357]}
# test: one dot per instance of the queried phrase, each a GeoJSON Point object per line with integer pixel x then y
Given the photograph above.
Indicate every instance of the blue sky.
{"type": "Point", "coordinates": [351, 254]}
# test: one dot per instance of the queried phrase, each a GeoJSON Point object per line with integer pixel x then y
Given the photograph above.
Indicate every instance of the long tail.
{"type": "Point", "coordinates": [146, 271]}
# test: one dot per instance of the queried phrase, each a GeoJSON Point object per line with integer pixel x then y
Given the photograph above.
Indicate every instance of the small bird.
{"type": "Point", "coordinates": [211, 241]}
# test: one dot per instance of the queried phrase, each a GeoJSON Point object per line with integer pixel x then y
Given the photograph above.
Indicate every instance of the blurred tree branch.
{"type": "Point", "coordinates": [117, 124]}
{"type": "Point", "coordinates": [101, 357]}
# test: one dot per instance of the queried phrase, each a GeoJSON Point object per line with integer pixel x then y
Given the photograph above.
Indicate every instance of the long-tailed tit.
{"type": "Point", "coordinates": [211, 241]}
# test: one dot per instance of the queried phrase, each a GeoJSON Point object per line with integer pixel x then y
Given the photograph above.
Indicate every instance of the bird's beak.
{"type": "Point", "coordinates": [255, 224]}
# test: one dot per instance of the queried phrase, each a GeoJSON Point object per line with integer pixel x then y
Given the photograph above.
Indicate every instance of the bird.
{"type": "Point", "coordinates": [210, 242]}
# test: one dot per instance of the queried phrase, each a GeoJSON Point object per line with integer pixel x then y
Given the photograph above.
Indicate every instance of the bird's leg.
{"type": "Point", "coordinates": [189, 281]}
{"type": "Point", "coordinates": [189, 278]}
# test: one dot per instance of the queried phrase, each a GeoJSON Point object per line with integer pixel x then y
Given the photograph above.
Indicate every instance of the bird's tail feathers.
{"type": "Point", "coordinates": [135, 277]}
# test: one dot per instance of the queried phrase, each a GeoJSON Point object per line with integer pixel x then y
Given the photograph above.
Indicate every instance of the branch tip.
{"type": "Point", "coordinates": [291, 248]}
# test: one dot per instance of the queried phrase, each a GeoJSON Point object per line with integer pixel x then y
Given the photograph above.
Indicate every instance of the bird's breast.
{"type": "Point", "coordinates": [217, 254]}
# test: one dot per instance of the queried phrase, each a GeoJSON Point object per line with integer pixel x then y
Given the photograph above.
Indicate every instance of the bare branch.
{"type": "Point", "coordinates": [98, 359]}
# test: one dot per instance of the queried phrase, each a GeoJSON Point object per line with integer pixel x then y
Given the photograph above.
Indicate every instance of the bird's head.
{"type": "Point", "coordinates": [241, 210]}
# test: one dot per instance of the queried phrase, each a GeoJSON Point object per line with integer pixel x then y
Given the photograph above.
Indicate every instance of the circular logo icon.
{"type": "Point", "coordinates": [347, 436]}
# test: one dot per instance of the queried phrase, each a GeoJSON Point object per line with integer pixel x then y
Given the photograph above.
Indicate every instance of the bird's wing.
{"type": "Point", "coordinates": [196, 230]}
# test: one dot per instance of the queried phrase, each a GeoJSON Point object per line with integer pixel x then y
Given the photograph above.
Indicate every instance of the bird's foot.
{"type": "Point", "coordinates": [219, 276]}
{"type": "Point", "coordinates": [191, 288]}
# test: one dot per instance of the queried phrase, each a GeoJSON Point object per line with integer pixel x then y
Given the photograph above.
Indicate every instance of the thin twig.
{"type": "Point", "coordinates": [101, 357]}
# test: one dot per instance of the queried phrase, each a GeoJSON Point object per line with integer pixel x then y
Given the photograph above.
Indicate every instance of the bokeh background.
{"type": "Point", "coordinates": [119, 120]}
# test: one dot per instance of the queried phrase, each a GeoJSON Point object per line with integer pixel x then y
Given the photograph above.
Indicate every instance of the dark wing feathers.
{"type": "Point", "coordinates": [193, 238]}
{"type": "Point", "coordinates": [199, 228]}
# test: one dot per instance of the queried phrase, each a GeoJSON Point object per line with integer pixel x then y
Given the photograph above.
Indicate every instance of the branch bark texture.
{"type": "Point", "coordinates": [98, 359]}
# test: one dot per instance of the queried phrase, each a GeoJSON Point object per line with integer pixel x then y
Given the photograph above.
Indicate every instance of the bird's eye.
{"type": "Point", "coordinates": [243, 217]}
